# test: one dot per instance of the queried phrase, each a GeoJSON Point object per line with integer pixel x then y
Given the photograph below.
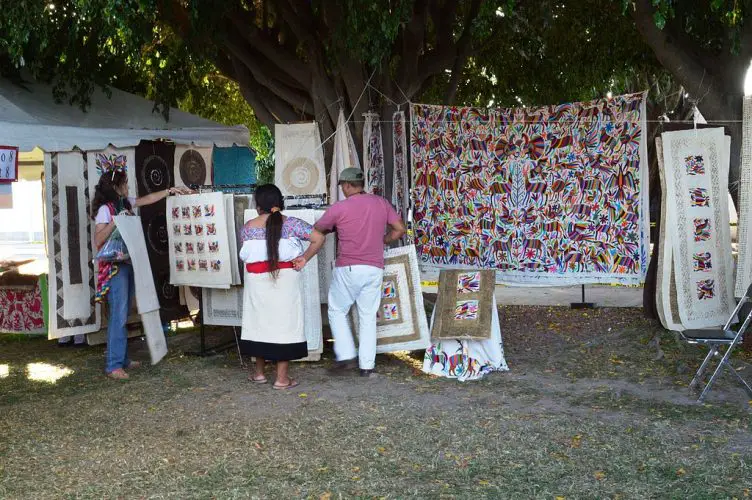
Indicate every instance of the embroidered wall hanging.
{"type": "Point", "coordinates": [108, 159]}
{"type": "Point", "coordinates": [232, 239]}
{"type": "Point", "coordinates": [467, 359]}
{"type": "Point", "coordinates": [665, 291]}
{"type": "Point", "coordinates": [192, 166]}
{"type": "Point", "coordinates": [223, 307]}
{"type": "Point", "coordinates": [71, 284]}
{"type": "Point", "coordinates": [234, 165]}
{"type": "Point", "coordinates": [464, 305]}
{"type": "Point", "coordinates": [696, 168]}
{"type": "Point", "coordinates": [401, 323]}
{"type": "Point", "coordinates": [199, 245]}
{"type": "Point", "coordinates": [556, 194]}
{"type": "Point", "coordinates": [21, 309]}
{"type": "Point", "coordinates": [154, 172]}
{"type": "Point", "coordinates": [744, 235]}
{"type": "Point", "coordinates": [344, 156]}
{"type": "Point", "coordinates": [373, 154]}
{"type": "Point", "coordinates": [299, 159]}
{"type": "Point", "coordinates": [242, 202]}
{"type": "Point", "coordinates": [400, 174]}
{"type": "Point", "coordinates": [147, 302]}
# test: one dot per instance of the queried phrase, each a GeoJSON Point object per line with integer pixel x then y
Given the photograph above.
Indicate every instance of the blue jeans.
{"type": "Point", "coordinates": [120, 298]}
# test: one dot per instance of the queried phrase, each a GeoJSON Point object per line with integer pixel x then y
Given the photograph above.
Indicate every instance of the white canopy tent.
{"type": "Point", "coordinates": [30, 117]}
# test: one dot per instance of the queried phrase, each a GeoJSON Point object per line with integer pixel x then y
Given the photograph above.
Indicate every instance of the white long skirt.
{"type": "Point", "coordinates": [273, 316]}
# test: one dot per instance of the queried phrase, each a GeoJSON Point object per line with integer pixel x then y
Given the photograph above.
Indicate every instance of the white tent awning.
{"type": "Point", "coordinates": [29, 117]}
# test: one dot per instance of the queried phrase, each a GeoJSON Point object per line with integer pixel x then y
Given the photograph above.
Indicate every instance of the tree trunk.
{"type": "Point", "coordinates": [715, 82]}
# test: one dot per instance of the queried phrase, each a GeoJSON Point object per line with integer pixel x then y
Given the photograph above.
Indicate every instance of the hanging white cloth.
{"type": "Point", "coordinates": [344, 156]}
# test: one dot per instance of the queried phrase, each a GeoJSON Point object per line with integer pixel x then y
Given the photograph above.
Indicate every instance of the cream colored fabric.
{"type": "Point", "coordinates": [299, 159]}
{"type": "Point", "coordinates": [344, 156]}
{"type": "Point", "coordinates": [147, 301]}
{"type": "Point", "coordinates": [705, 295]}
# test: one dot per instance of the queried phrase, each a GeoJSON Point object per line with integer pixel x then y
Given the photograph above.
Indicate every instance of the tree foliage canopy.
{"type": "Point", "coordinates": [294, 60]}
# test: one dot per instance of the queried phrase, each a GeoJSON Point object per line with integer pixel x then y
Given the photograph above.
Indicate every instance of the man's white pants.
{"type": "Point", "coordinates": [359, 285]}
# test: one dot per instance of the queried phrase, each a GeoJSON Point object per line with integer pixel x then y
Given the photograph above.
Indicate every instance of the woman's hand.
{"type": "Point", "coordinates": [299, 263]}
{"type": "Point", "coordinates": [180, 190]}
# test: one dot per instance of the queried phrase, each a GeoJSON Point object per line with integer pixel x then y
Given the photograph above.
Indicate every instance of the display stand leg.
{"type": "Point", "coordinates": [204, 352]}
{"type": "Point", "coordinates": [583, 304]}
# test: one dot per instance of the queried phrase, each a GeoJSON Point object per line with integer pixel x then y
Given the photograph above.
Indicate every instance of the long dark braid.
{"type": "Point", "coordinates": [269, 200]}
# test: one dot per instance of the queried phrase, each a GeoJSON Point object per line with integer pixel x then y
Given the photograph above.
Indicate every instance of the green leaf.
{"type": "Point", "coordinates": [659, 19]}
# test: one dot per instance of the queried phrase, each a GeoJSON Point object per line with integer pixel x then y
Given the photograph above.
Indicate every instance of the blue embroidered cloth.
{"type": "Point", "coordinates": [234, 165]}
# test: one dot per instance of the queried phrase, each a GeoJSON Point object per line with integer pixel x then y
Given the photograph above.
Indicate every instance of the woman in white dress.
{"type": "Point", "coordinates": [272, 296]}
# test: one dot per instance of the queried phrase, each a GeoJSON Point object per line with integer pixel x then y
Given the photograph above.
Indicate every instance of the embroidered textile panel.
{"type": "Point", "coordinates": [401, 323]}
{"type": "Point", "coordinates": [666, 304]}
{"type": "Point", "coordinates": [556, 194]}
{"type": "Point", "coordinates": [400, 174]}
{"type": "Point", "coordinates": [106, 159]}
{"type": "Point", "coordinates": [199, 244]}
{"type": "Point", "coordinates": [155, 162]}
{"type": "Point", "coordinates": [234, 165]}
{"type": "Point", "coordinates": [232, 240]}
{"type": "Point", "coordinates": [72, 310]}
{"type": "Point", "coordinates": [241, 202]}
{"type": "Point", "coordinates": [373, 154]}
{"type": "Point", "coordinates": [467, 359]}
{"type": "Point", "coordinates": [311, 294]}
{"type": "Point", "coordinates": [21, 309]}
{"type": "Point", "coordinates": [696, 168]}
{"type": "Point", "coordinates": [223, 307]}
{"type": "Point", "coordinates": [192, 166]}
{"type": "Point", "coordinates": [299, 159]}
{"type": "Point", "coordinates": [464, 305]}
{"type": "Point", "coordinates": [744, 237]}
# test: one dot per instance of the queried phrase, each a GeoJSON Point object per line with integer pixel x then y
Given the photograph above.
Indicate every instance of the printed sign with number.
{"type": "Point", "coordinates": [8, 164]}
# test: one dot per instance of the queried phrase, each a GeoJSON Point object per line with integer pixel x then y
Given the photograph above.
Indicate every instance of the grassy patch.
{"type": "Point", "coordinates": [611, 421]}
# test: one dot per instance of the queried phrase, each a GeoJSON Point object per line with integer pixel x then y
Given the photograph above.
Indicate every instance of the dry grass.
{"type": "Point", "coordinates": [585, 412]}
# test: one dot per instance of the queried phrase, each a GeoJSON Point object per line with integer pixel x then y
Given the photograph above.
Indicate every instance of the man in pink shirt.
{"type": "Point", "coordinates": [364, 223]}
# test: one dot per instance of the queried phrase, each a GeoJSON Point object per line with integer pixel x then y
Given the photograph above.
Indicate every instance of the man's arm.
{"type": "Point", "coordinates": [396, 231]}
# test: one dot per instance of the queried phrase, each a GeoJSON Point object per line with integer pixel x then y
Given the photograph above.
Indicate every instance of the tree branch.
{"type": "Point", "coordinates": [463, 52]}
{"type": "Point", "coordinates": [269, 108]}
{"type": "Point", "coordinates": [264, 77]}
{"type": "Point", "coordinates": [274, 52]}
{"type": "Point", "coordinates": [413, 41]}
{"type": "Point", "coordinates": [681, 63]}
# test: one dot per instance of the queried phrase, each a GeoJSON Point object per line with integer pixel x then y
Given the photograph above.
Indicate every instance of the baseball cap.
{"type": "Point", "coordinates": [351, 175]}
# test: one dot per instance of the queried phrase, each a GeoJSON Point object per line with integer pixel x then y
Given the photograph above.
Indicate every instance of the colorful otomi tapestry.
{"type": "Point", "coordinates": [556, 194]}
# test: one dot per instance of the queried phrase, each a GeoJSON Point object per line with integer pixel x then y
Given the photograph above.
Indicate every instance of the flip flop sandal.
{"type": "Point", "coordinates": [293, 383]}
{"type": "Point", "coordinates": [258, 380]}
{"type": "Point", "coordinates": [134, 364]}
{"type": "Point", "coordinates": [118, 374]}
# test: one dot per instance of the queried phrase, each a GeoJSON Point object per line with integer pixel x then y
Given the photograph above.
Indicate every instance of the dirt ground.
{"type": "Point", "coordinates": [594, 405]}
